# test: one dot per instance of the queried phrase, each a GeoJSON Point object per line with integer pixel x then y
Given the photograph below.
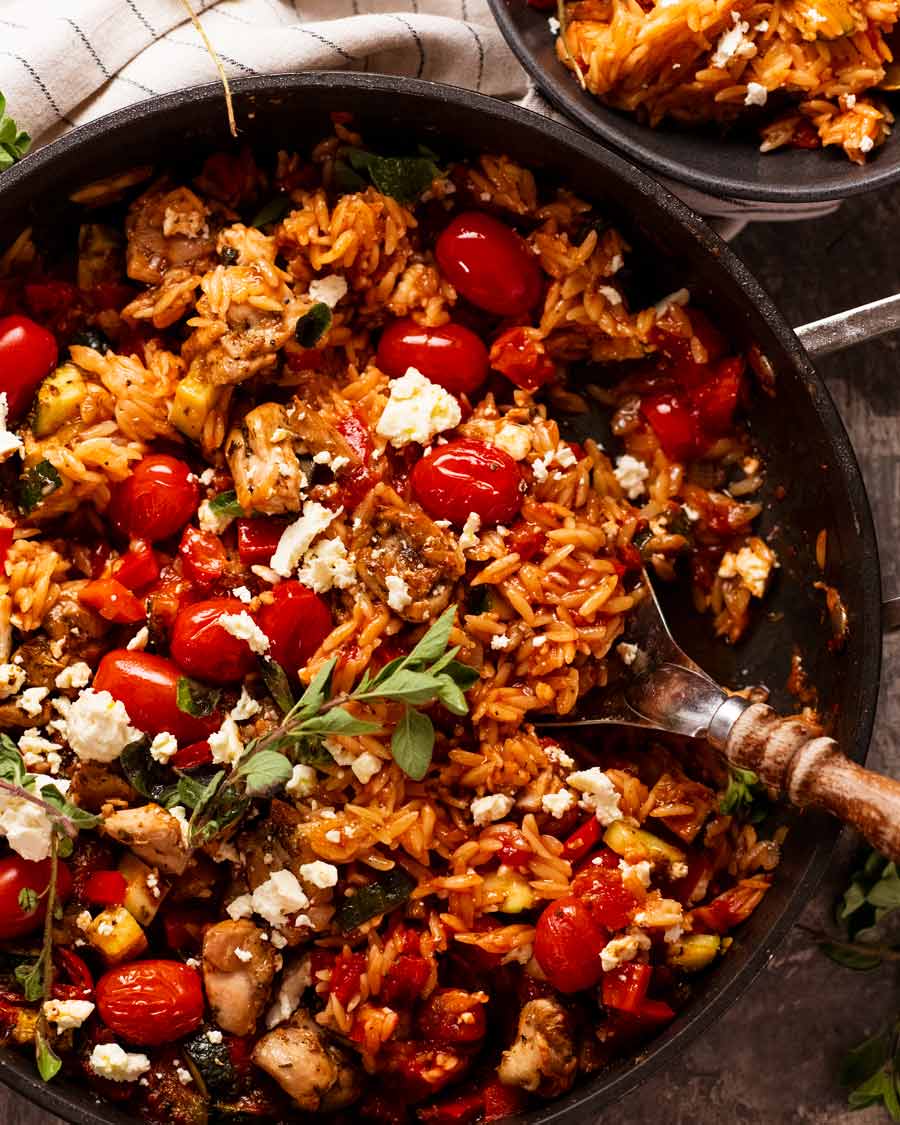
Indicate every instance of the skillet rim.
{"type": "Point", "coordinates": [605, 123]}
{"type": "Point", "coordinates": [79, 1105]}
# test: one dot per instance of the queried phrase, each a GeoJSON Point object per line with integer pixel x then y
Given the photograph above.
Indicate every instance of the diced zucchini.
{"type": "Point", "coordinates": [194, 399]}
{"type": "Point", "coordinates": [636, 842]}
{"type": "Point", "coordinates": [213, 1064]}
{"type": "Point", "coordinates": [116, 935]}
{"type": "Point", "coordinates": [36, 483]}
{"type": "Point", "coordinates": [693, 952]}
{"type": "Point", "coordinates": [515, 889]}
{"type": "Point", "coordinates": [142, 898]}
{"type": "Point", "coordinates": [58, 399]}
{"type": "Point", "coordinates": [25, 1025]}
{"type": "Point", "coordinates": [99, 255]}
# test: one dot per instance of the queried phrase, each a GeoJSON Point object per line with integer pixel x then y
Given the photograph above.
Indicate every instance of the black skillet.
{"type": "Point", "coordinates": [806, 447]}
{"type": "Point", "coordinates": [730, 166]}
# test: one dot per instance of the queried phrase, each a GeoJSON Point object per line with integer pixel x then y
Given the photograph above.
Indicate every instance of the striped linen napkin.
{"type": "Point", "coordinates": [64, 62]}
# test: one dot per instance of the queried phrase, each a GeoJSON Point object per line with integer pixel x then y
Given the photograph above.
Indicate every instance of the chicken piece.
{"type": "Point", "coordinates": [318, 1075]}
{"type": "Point", "coordinates": [403, 557]}
{"type": "Point", "coordinates": [81, 630]}
{"type": "Point", "coordinates": [237, 985]}
{"type": "Point", "coordinates": [168, 229]}
{"type": "Point", "coordinates": [153, 834]}
{"type": "Point", "coordinates": [94, 785]}
{"type": "Point", "coordinates": [316, 435]}
{"type": "Point", "coordinates": [542, 1057]}
{"type": "Point", "coordinates": [267, 475]}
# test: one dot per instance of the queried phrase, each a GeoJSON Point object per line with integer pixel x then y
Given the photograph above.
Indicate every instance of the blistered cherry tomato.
{"type": "Point", "coordinates": [356, 433]}
{"type": "Point", "coordinates": [466, 476]}
{"type": "Point", "coordinates": [567, 945]}
{"type": "Point", "coordinates": [585, 837]}
{"type": "Point", "coordinates": [138, 567]}
{"type": "Point", "coordinates": [296, 622]}
{"type": "Point", "coordinates": [451, 1015]}
{"type": "Point", "coordinates": [28, 354]}
{"type": "Point", "coordinates": [450, 355]}
{"type": "Point", "coordinates": [151, 1002]}
{"type": "Point", "coordinates": [626, 986]}
{"type": "Point", "coordinates": [157, 499]}
{"type": "Point", "coordinates": [202, 555]}
{"type": "Point", "coordinates": [105, 888]}
{"type": "Point", "coordinates": [204, 648]}
{"type": "Point", "coordinates": [258, 538]}
{"type": "Point", "coordinates": [489, 264]}
{"type": "Point", "coordinates": [521, 356]}
{"type": "Point", "coordinates": [671, 419]}
{"type": "Point", "coordinates": [604, 893]}
{"type": "Point", "coordinates": [148, 687]}
{"type": "Point", "coordinates": [17, 875]}
{"type": "Point", "coordinates": [113, 601]}
{"type": "Point", "coordinates": [189, 757]}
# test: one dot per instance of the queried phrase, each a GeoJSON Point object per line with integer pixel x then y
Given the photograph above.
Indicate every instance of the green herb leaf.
{"type": "Point", "coordinates": [336, 721]}
{"type": "Point", "coordinates": [855, 959]}
{"type": "Point", "coordinates": [195, 698]}
{"type": "Point", "coordinates": [313, 325]}
{"type": "Point", "coordinates": [865, 1059]}
{"type": "Point", "coordinates": [30, 975]}
{"type": "Point", "coordinates": [14, 142]}
{"type": "Point", "coordinates": [219, 807]}
{"type": "Point", "coordinates": [275, 679]}
{"type": "Point", "coordinates": [404, 178]}
{"type": "Point", "coordinates": [410, 687]}
{"type": "Point", "coordinates": [315, 695]}
{"type": "Point", "coordinates": [745, 796]}
{"type": "Point", "coordinates": [80, 817]}
{"type": "Point", "coordinates": [433, 645]}
{"type": "Point", "coordinates": [48, 1062]}
{"type": "Point", "coordinates": [412, 743]}
{"type": "Point", "coordinates": [12, 767]}
{"type": "Point", "coordinates": [272, 212]}
{"type": "Point", "coordinates": [36, 484]}
{"type": "Point", "coordinates": [886, 892]}
{"type": "Point", "coordinates": [386, 893]}
{"type": "Point", "coordinates": [226, 506]}
{"type": "Point", "coordinates": [263, 773]}
{"type": "Point", "coordinates": [28, 900]}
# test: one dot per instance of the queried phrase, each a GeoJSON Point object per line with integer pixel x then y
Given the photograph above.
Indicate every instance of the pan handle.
{"type": "Point", "coordinates": [852, 326]}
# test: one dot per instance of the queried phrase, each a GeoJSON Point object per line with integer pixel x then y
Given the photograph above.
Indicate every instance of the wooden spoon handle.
{"type": "Point", "coordinates": [792, 759]}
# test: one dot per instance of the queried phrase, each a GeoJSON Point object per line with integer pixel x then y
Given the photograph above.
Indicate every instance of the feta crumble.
{"type": "Point", "coordinates": [245, 708]}
{"type": "Point", "coordinates": [469, 536]}
{"type": "Point", "coordinates": [98, 727]}
{"type": "Point", "coordinates": [110, 1061]}
{"type": "Point", "coordinates": [557, 804]}
{"type": "Point", "coordinates": [243, 954]}
{"type": "Point", "coordinates": [242, 594]}
{"type": "Point", "coordinates": [326, 565]}
{"type": "Point", "coordinates": [398, 593]}
{"type": "Point", "coordinates": [679, 297]}
{"type": "Point", "coordinates": [67, 1014]}
{"type": "Point", "coordinates": [212, 521]}
{"type": "Point", "coordinates": [279, 896]}
{"type": "Point", "coordinates": [328, 290]}
{"type": "Point", "coordinates": [164, 747]}
{"type": "Point", "coordinates": [631, 473]}
{"type": "Point", "coordinates": [493, 807]}
{"type": "Point", "coordinates": [296, 539]}
{"type": "Point", "coordinates": [319, 874]}
{"type": "Point", "coordinates": [31, 701]}
{"type": "Point", "coordinates": [139, 641]}
{"type": "Point", "coordinates": [757, 94]}
{"type": "Point", "coordinates": [417, 410]}
{"type": "Point", "coordinates": [499, 642]}
{"type": "Point", "coordinates": [10, 443]}
{"type": "Point", "coordinates": [752, 564]}
{"type": "Point", "coordinates": [365, 766]}
{"type": "Point", "coordinates": [559, 757]}
{"type": "Point", "coordinates": [12, 677]}
{"type": "Point", "coordinates": [866, 144]}
{"type": "Point", "coordinates": [77, 675]}
{"type": "Point", "coordinates": [733, 44]}
{"type": "Point", "coordinates": [599, 795]}
{"type": "Point", "coordinates": [514, 440]}
{"type": "Point", "coordinates": [627, 653]}
{"type": "Point", "coordinates": [641, 871]}
{"type": "Point", "coordinates": [225, 744]}
{"type": "Point", "coordinates": [622, 949]}
{"type": "Point", "coordinates": [242, 626]}
{"type": "Point", "coordinates": [303, 781]}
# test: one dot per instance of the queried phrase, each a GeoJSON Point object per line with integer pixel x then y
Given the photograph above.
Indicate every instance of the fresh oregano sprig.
{"type": "Point", "coordinates": [14, 142]}
{"type": "Point", "coordinates": [745, 796]}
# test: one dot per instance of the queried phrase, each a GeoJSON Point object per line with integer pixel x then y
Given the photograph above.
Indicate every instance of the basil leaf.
{"type": "Point", "coordinates": [275, 679]}
{"type": "Point", "coordinates": [272, 212]}
{"type": "Point", "coordinates": [195, 698]}
{"type": "Point", "coordinates": [412, 743]}
{"type": "Point", "coordinates": [337, 721]}
{"type": "Point", "coordinates": [264, 773]}
{"type": "Point", "coordinates": [226, 506]}
{"type": "Point", "coordinates": [463, 675]}
{"type": "Point", "coordinates": [143, 773]}
{"type": "Point", "coordinates": [886, 892]}
{"type": "Point", "coordinates": [386, 893]}
{"type": "Point", "coordinates": [346, 180]}
{"type": "Point", "coordinates": [313, 325]}
{"type": "Point", "coordinates": [12, 767]}
{"type": "Point", "coordinates": [186, 791]}
{"type": "Point", "coordinates": [867, 1057]}
{"type": "Point", "coordinates": [36, 484]}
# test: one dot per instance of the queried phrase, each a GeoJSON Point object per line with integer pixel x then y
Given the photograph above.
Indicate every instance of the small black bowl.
{"type": "Point", "coordinates": [729, 166]}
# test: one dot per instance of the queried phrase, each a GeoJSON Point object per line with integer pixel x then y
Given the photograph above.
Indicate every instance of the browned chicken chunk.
{"type": "Point", "coordinates": [153, 834]}
{"type": "Point", "coordinates": [267, 474]}
{"type": "Point", "coordinates": [167, 229]}
{"type": "Point", "coordinates": [317, 1074]}
{"type": "Point", "coordinates": [542, 1057]}
{"type": "Point", "coordinates": [403, 557]}
{"type": "Point", "coordinates": [316, 435]}
{"type": "Point", "coordinates": [238, 970]}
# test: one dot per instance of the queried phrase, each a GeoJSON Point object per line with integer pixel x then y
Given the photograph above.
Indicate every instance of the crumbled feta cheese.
{"type": "Point", "coordinates": [31, 701]}
{"type": "Point", "coordinates": [679, 297]}
{"type": "Point", "coordinates": [214, 1036]}
{"type": "Point", "coordinates": [110, 1061]}
{"type": "Point", "coordinates": [493, 807]}
{"type": "Point", "coordinates": [77, 675]}
{"type": "Point", "coordinates": [297, 538]}
{"type": "Point", "coordinates": [333, 835]}
{"type": "Point", "coordinates": [678, 870]}
{"type": "Point", "coordinates": [627, 653]}
{"type": "Point", "coordinates": [763, 25]}
{"type": "Point", "coordinates": [210, 520]}
{"type": "Point", "coordinates": [500, 642]}
{"type": "Point", "coordinates": [691, 513]}
{"type": "Point", "coordinates": [752, 564]}
{"type": "Point", "coordinates": [612, 295]}
{"type": "Point", "coordinates": [225, 743]}
{"type": "Point", "coordinates": [757, 94]}
{"type": "Point", "coordinates": [164, 747]}
{"type": "Point", "coordinates": [631, 473]}
{"type": "Point", "coordinates": [641, 871]}
{"type": "Point", "coordinates": [599, 795]}
{"type": "Point", "coordinates": [243, 954]}
{"type": "Point", "coordinates": [365, 766]}
{"type": "Point", "coordinates": [184, 1075]}
{"type": "Point", "coordinates": [849, 101]}
{"type": "Point", "coordinates": [564, 456]}
{"type": "Point", "coordinates": [240, 907]}
{"type": "Point", "coordinates": [320, 874]}
{"type": "Point", "coordinates": [616, 263]}
{"type": "Point", "coordinates": [242, 626]}
{"type": "Point", "coordinates": [553, 24]}
{"type": "Point", "coordinates": [83, 920]}
{"type": "Point", "coordinates": [279, 896]}
{"type": "Point", "coordinates": [557, 755]}
{"type": "Point", "coordinates": [245, 708]}
{"type": "Point", "coordinates": [179, 812]}
{"type": "Point", "coordinates": [242, 594]}
{"type": "Point", "coordinates": [12, 677]}
{"type": "Point", "coordinates": [98, 727]}
{"type": "Point", "coordinates": [326, 565]}
{"type": "Point", "coordinates": [417, 410]}
{"type": "Point", "coordinates": [673, 933]}
{"type": "Point", "coordinates": [733, 44]}
{"type": "Point", "coordinates": [815, 16]}
{"type": "Point", "coordinates": [328, 290]}
{"type": "Point", "coordinates": [622, 949]}
{"type": "Point", "coordinates": [67, 1014]}
{"type": "Point", "coordinates": [304, 780]}
{"type": "Point", "coordinates": [866, 144]}
{"type": "Point", "coordinates": [469, 536]}
{"type": "Point", "coordinates": [10, 443]}
{"type": "Point", "coordinates": [139, 641]}
{"type": "Point", "coordinates": [557, 804]}
{"type": "Point", "coordinates": [514, 440]}
{"type": "Point", "coordinates": [539, 641]}
{"type": "Point", "coordinates": [208, 476]}
{"type": "Point", "coordinates": [539, 468]}
{"type": "Point", "coordinates": [398, 593]}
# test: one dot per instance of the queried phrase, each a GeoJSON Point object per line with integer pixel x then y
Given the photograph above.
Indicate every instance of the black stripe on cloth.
{"type": "Point", "coordinates": [464, 9]}
{"type": "Point", "coordinates": [137, 85]}
{"type": "Point", "coordinates": [40, 83]}
{"type": "Point", "coordinates": [200, 47]}
{"type": "Point", "coordinates": [88, 45]}
{"type": "Point", "coordinates": [480, 47]}
{"type": "Point", "coordinates": [415, 6]}
{"type": "Point", "coordinates": [293, 27]}
{"type": "Point", "coordinates": [420, 46]}
{"type": "Point", "coordinates": [140, 15]}
{"type": "Point", "coordinates": [17, 26]}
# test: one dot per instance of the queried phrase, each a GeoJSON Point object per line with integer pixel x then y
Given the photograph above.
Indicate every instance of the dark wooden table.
{"type": "Point", "coordinates": [773, 1058]}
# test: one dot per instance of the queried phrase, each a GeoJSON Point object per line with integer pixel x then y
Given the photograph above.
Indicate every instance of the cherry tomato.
{"type": "Point", "coordinates": [626, 986]}
{"type": "Point", "coordinates": [450, 1015]}
{"type": "Point", "coordinates": [6, 538]}
{"type": "Point", "coordinates": [671, 419]}
{"type": "Point", "coordinates": [522, 358]}
{"type": "Point", "coordinates": [716, 400]}
{"type": "Point", "coordinates": [80, 983]}
{"type": "Point", "coordinates": [17, 875]}
{"type": "Point", "coordinates": [450, 355]}
{"type": "Point", "coordinates": [202, 555]}
{"type": "Point", "coordinates": [49, 298]}
{"type": "Point", "coordinates": [404, 980]}
{"type": "Point", "coordinates": [356, 483]}
{"type": "Point", "coordinates": [105, 888]}
{"type": "Point", "coordinates": [157, 499]}
{"type": "Point", "coordinates": [489, 264]}
{"type": "Point", "coordinates": [465, 476]}
{"type": "Point", "coordinates": [296, 622]}
{"type": "Point", "coordinates": [258, 538]}
{"type": "Point", "coordinates": [730, 908]}
{"type": "Point", "coordinates": [113, 601]}
{"type": "Point", "coordinates": [602, 890]}
{"type": "Point", "coordinates": [502, 1101]}
{"type": "Point", "coordinates": [515, 851]}
{"type": "Point", "coordinates": [204, 648]}
{"type": "Point", "coordinates": [356, 434]}
{"type": "Point", "coordinates": [346, 974]}
{"type": "Point", "coordinates": [189, 757]}
{"type": "Point", "coordinates": [567, 945]}
{"type": "Point", "coordinates": [168, 597]}
{"type": "Point", "coordinates": [148, 687]}
{"type": "Point", "coordinates": [151, 1002]}
{"type": "Point", "coordinates": [527, 540]}
{"type": "Point", "coordinates": [138, 567]}
{"type": "Point", "coordinates": [28, 353]}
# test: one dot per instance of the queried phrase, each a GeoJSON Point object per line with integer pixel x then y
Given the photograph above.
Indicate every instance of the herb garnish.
{"type": "Point", "coordinates": [194, 698]}
{"type": "Point", "coordinates": [745, 796]}
{"type": "Point", "coordinates": [313, 325]}
{"type": "Point", "coordinates": [272, 212]}
{"type": "Point", "coordinates": [404, 178]}
{"type": "Point", "coordinates": [14, 142]}
{"type": "Point", "coordinates": [226, 506]}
